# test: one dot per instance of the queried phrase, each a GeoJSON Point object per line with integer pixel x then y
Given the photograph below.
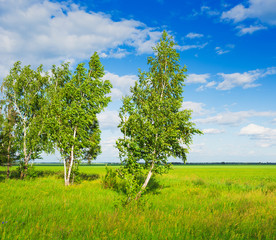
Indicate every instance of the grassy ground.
{"type": "Point", "coordinates": [194, 202]}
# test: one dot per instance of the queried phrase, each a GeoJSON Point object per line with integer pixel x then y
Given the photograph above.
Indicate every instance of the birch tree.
{"type": "Point", "coordinates": [24, 90]}
{"type": "Point", "coordinates": [8, 144]}
{"type": "Point", "coordinates": [153, 124]}
{"type": "Point", "coordinates": [75, 100]}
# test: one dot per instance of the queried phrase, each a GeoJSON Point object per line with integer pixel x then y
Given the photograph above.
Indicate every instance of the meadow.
{"type": "Point", "coordinates": [192, 202]}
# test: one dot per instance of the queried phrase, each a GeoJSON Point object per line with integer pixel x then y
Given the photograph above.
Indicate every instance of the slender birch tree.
{"type": "Point", "coordinates": [24, 90]}
{"type": "Point", "coordinates": [8, 144]}
{"type": "Point", "coordinates": [153, 124]}
{"type": "Point", "coordinates": [75, 100]}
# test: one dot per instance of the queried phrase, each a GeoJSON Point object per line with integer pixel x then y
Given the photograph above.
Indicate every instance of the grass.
{"type": "Point", "coordinates": [194, 202]}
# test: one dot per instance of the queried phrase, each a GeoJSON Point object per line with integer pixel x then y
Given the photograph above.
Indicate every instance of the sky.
{"type": "Point", "coordinates": [228, 47]}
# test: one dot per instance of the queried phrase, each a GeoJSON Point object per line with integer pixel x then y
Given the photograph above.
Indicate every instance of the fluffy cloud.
{"type": "Point", "coordinates": [232, 80]}
{"type": "Point", "coordinates": [207, 85]}
{"type": "Point", "coordinates": [196, 107]}
{"type": "Point", "coordinates": [264, 10]}
{"type": "Point", "coordinates": [233, 118]}
{"type": "Point", "coordinates": [121, 84]}
{"type": "Point", "coordinates": [197, 78]}
{"type": "Point", "coordinates": [244, 80]}
{"type": "Point", "coordinates": [108, 145]}
{"type": "Point", "coordinates": [50, 32]}
{"type": "Point", "coordinates": [249, 30]}
{"type": "Point", "coordinates": [192, 35]}
{"type": "Point", "coordinates": [109, 119]}
{"type": "Point", "coordinates": [265, 137]}
{"type": "Point", "coordinates": [210, 84]}
{"type": "Point", "coordinates": [212, 131]}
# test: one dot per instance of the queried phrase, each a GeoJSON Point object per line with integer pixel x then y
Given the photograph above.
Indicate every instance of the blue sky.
{"type": "Point", "coordinates": [227, 46]}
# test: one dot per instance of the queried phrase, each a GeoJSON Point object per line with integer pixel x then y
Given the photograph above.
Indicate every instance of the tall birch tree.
{"type": "Point", "coordinates": [24, 90]}
{"type": "Point", "coordinates": [153, 124]}
{"type": "Point", "coordinates": [8, 143]}
{"type": "Point", "coordinates": [75, 100]}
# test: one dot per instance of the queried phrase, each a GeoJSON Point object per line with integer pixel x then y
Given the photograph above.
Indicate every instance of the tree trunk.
{"type": "Point", "coordinates": [8, 170]}
{"type": "Point", "coordinates": [146, 182]}
{"type": "Point", "coordinates": [22, 174]}
{"type": "Point", "coordinates": [65, 172]}
{"type": "Point", "coordinates": [67, 181]}
{"type": "Point", "coordinates": [67, 178]}
{"type": "Point", "coordinates": [8, 164]}
{"type": "Point", "coordinates": [25, 165]}
{"type": "Point", "coordinates": [25, 169]}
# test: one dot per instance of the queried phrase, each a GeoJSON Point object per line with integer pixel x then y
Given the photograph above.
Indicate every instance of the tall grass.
{"type": "Point", "coordinates": [194, 202]}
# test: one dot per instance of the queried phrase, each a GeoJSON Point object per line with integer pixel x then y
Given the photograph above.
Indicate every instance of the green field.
{"type": "Point", "coordinates": [193, 202]}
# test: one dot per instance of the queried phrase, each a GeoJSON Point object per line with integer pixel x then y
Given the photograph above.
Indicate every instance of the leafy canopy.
{"type": "Point", "coordinates": [75, 99]}
{"type": "Point", "coordinates": [24, 92]}
{"type": "Point", "coordinates": [154, 125]}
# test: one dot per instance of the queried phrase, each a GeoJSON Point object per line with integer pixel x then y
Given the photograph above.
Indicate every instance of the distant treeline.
{"type": "Point", "coordinates": [173, 163]}
{"type": "Point", "coordinates": [225, 163]}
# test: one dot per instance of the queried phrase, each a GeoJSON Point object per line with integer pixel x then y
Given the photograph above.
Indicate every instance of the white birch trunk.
{"type": "Point", "coordinates": [65, 172]}
{"type": "Point", "coordinates": [146, 182]}
{"type": "Point", "coordinates": [71, 161]}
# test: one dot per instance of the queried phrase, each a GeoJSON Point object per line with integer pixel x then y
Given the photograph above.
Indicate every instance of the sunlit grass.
{"type": "Point", "coordinates": [194, 202]}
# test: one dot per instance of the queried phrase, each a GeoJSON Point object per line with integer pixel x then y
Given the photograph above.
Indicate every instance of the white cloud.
{"type": "Point", "coordinates": [233, 118]}
{"type": "Point", "coordinates": [109, 119]}
{"type": "Point", "coordinates": [114, 53]}
{"type": "Point", "coordinates": [265, 137]}
{"type": "Point", "coordinates": [212, 131]}
{"type": "Point", "coordinates": [50, 32]}
{"type": "Point", "coordinates": [207, 10]}
{"type": "Point", "coordinates": [121, 84]}
{"type": "Point", "coordinates": [193, 46]}
{"type": "Point", "coordinates": [224, 50]}
{"type": "Point", "coordinates": [196, 107]}
{"type": "Point", "coordinates": [264, 10]}
{"type": "Point", "coordinates": [220, 51]}
{"type": "Point", "coordinates": [210, 84]}
{"type": "Point", "coordinates": [108, 145]}
{"type": "Point", "coordinates": [192, 35]}
{"type": "Point", "coordinates": [207, 85]}
{"type": "Point", "coordinates": [232, 80]}
{"type": "Point", "coordinates": [197, 78]}
{"type": "Point", "coordinates": [200, 88]}
{"type": "Point", "coordinates": [249, 30]}
{"type": "Point", "coordinates": [244, 80]}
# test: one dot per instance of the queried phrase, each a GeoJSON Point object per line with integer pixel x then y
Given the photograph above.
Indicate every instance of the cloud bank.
{"type": "Point", "coordinates": [51, 32]}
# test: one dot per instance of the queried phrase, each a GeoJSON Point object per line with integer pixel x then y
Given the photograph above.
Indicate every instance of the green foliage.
{"type": "Point", "coordinates": [24, 93]}
{"type": "Point", "coordinates": [128, 184]}
{"type": "Point", "coordinates": [75, 99]}
{"type": "Point", "coordinates": [110, 179]}
{"type": "Point", "coordinates": [152, 121]}
{"type": "Point", "coordinates": [8, 144]}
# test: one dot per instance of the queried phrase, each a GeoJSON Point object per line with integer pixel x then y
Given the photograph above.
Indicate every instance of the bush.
{"type": "Point", "coordinates": [128, 184]}
{"type": "Point", "coordinates": [110, 180]}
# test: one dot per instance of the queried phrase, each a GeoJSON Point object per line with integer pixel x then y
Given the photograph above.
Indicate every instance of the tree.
{"type": "Point", "coordinates": [153, 125]}
{"type": "Point", "coordinates": [8, 144]}
{"type": "Point", "coordinates": [74, 102]}
{"type": "Point", "coordinates": [24, 91]}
